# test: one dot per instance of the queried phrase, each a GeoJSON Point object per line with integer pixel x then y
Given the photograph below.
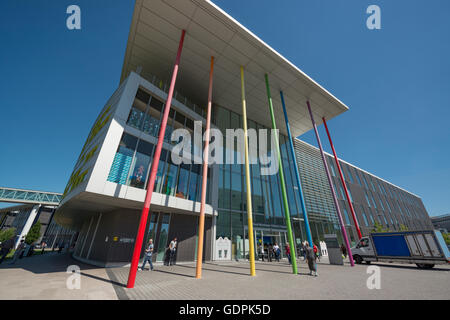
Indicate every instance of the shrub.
{"type": "Point", "coordinates": [34, 233]}
{"type": "Point", "coordinates": [7, 234]}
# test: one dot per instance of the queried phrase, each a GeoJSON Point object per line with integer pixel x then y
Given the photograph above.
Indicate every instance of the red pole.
{"type": "Point", "coordinates": [154, 169]}
{"type": "Point", "coordinates": [343, 181]}
{"type": "Point", "coordinates": [201, 222]}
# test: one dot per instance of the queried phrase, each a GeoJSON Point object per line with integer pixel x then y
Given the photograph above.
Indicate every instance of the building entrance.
{"type": "Point", "coordinates": [158, 230]}
{"type": "Point", "coordinates": [266, 237]}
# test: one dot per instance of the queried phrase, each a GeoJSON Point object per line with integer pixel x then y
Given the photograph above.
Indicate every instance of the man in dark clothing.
{"type": "Point", "coordinates": [311, 258]}
{"type": "Point", "coordinates": [344, 251]}
{"type": "Point", "coordinates": [269, 252]}
{"type": "Point", "coordinates": [6, 248]}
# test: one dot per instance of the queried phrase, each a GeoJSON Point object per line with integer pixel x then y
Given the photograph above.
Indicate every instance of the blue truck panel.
{"type": "Point", "coordinates": [390, 245]}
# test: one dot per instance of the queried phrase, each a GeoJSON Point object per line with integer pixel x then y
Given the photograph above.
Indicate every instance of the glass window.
{"type": "Point", "coordinates": [349, 173]}
{"type": "Point", "coordinates": [365, 182]}
{"type": "Point", "coordinates": [347, 219]}
{"type": "Point", "coordinates": [223, 223]}
{"type": "Point", "coordinates": [160, 172]}
{"type": "Point", "coordinates": [364, 216]}
{"type": "Point", "coordinates": [194, 182]}
{"type": "Point", "coordinates": [236, 191]}
{"type": "Point", "coordinates": [357, 178]}
{"type": "Point", "coordinates": [367, 199]}
{"type": "Point", "coordinates": [333, 172]}
{"type": "Point", "coordinates": [350, 194]}
{"type": "Point", "coordinates": [139, 171]}
{"type": "Point", "coordinates": [381, 203]}
{"type": "Point", "coordinates": [123, 159]}
{"type": "Point", "coordinates": [183, 180]}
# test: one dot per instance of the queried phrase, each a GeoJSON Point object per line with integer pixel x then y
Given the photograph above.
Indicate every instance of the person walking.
{"type": "Point", "coordinates": [148, 255]}
{"type": "Point", "coordinates": [276, 251]}
{"type": "Point", "coordinates": [304, 250]}
{"type": "Point", "coordinates": [261, 251]}
{"type": "Point", "coordinates": [173, 250]}
{"type": "Point", "coordinates": [288, 252]}
{"type": "Point", "coordinates": [44, 245]}
{"type": "Point", "coordinates": [344, 251]}
{"type": "Point", "coordinates": [6, 248]}
{"type": "Point", "coordinates": [311, 258]}
{"type": "Point", "coordinates": [316, 252]}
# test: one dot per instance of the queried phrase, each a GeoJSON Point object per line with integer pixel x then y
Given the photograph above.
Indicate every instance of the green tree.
{"type": "Point", "coordinates": [377, 227]}
{"type": "Point", "coordinates": [403, 227]}
{"type": "Point", "coordinates": [34, 233]}
{"type": "Point", "coordinates": [446, 238]}
{"type": "Point", "coordinates": [7, 234]}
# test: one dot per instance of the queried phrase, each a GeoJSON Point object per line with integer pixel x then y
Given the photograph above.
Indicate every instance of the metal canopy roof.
{"type": "Point", "coordinates": [153, 42]}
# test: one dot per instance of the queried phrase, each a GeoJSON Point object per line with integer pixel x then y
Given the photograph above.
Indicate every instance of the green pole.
{"type": "Point", "coordinates": [283, 185]}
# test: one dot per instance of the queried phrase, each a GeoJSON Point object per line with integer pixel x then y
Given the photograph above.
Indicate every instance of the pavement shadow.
{"type": "Point", "coordinates": [174, 273]}
{"type": "Point", "coordinates": [256, 266]}
{"type": "Point", "coordinates": [214, 270]}
{"type": "Point", "coordinates": [47, 263]}
{"type": "Point", "coordinates": [411, 267]}
{"type": "Point", "coordinates": [116, 283]}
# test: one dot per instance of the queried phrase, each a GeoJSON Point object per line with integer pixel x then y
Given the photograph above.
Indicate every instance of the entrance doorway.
{"type": "Point", "coordinates": [158, 230]}
{"type": "Point", "coordinates": [265, 237]}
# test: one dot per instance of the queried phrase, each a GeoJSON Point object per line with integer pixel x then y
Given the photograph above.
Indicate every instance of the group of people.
{"type": "Point", "coordinates": [273, 251]}
{"type": "Point", "coordinates": [310, 254]}
{"type": "Point", "coordinates": [170, 255]}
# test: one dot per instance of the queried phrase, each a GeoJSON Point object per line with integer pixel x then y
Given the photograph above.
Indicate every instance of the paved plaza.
{"type": "Point", "coordinates": [44, 277]}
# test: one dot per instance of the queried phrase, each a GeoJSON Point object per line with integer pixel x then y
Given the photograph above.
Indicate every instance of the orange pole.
{"type": "Point", "coordinates": [201, 222]}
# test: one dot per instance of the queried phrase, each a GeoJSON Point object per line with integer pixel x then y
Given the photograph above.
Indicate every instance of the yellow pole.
{"type": "Point", "coordinates": [247, 178]}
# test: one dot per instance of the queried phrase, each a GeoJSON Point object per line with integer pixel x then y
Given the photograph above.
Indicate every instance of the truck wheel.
{"type": "Point", "coordinates": [358, 259]}
{"type": "Point", "coordinates": [424, 265]}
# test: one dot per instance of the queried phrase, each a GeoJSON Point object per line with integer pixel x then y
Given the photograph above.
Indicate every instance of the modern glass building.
{"type": "Point", "coordinates": [105, 193]}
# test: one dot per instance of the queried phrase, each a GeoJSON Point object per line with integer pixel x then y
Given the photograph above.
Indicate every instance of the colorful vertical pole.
{"type": "Point", "coordinates": [247, 179]}
{"type": "Point", "coordinates": [355, 220]}
{"type": "Point", "coordinates": [283, 185]}
{"type": "Point", "coordinates": [153, 171]}
{"type": "Point", "coordinates": [297, 173]}
{"type": "Point", "coordinates": [341, 221]}
{"type": "Point", "coordinates": [201, 222]}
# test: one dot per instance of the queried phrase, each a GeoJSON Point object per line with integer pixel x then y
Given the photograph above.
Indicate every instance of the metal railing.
{"type": "Point", "coordinates": [29, 196]}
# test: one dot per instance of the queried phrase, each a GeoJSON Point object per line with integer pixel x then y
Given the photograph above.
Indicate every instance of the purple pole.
{"type": "Point", "coordinates": [344, 232]}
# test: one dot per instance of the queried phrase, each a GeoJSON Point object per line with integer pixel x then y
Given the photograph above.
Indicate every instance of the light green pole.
{"type": "Point", "coordinates": [283, 185]}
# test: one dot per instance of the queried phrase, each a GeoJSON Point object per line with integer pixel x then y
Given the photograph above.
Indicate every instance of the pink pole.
{"type": "Point", "coordinates": [341, 221]}
{"type": "Point", "coordinates": [201, 222]}
{"type": "Point", "coordinates": [153, 171]}
{"type": "Point", "coordinates": [343, 181]}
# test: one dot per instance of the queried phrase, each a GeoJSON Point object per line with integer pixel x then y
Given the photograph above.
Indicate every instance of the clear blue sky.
{"type": "Point", "coordinates": [396, 82]}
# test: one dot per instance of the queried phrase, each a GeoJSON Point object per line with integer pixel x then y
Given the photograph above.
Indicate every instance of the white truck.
{"type": "Point", "coordinates": [424, 248]}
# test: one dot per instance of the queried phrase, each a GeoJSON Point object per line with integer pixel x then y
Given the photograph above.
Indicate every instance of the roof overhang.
{"type": "Point", "coordinates": [153, 42]}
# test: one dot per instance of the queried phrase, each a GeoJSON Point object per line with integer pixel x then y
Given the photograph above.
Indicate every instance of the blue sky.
{"type": "Point", "coordinates": [396, 82]}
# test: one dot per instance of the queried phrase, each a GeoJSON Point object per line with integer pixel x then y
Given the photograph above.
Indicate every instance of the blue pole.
{"type": "Point", "coordinates": [300, 191]}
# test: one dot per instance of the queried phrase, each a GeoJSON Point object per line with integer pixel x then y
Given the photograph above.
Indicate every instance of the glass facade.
{"type": "Point", "coordinates": [132, 162]}
{"type": "Point", "coordinates": [134, 156]}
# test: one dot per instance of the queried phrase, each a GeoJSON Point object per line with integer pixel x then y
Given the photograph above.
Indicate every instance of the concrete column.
{"type": "Point", "coordinates": [26, 228]}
